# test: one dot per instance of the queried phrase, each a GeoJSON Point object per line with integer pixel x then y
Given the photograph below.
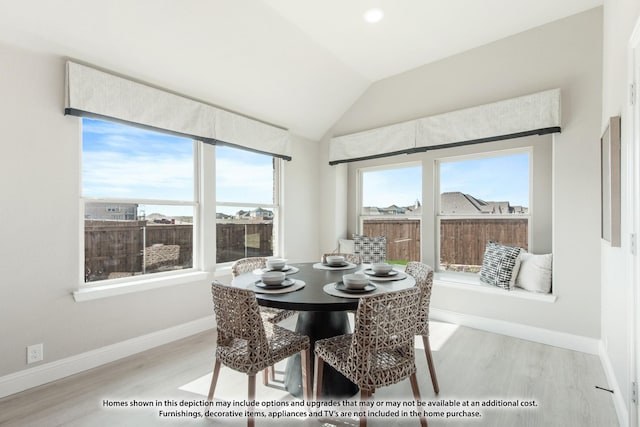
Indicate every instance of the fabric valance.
{"type": "Point", "coordinates": [381, 142]}
{"type": "Point", "coordinates": [94, 93]}
{"type": "Point", "coordinates": [538, 113]}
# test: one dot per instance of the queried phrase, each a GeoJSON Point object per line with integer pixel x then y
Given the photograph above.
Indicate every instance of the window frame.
{"type": "Point", "coordinates": [147, 280]}
{"type": "Point", "coordinates": [438, 217]}
{"type": "Point", "coordinates": [276, 206]}
{"type": "Point", "coordinates": [360, 192]}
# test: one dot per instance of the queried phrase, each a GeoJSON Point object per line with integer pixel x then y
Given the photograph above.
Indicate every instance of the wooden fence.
{"type": "Point", "coordinates": [116, 248]}
{"type": "Point", "coordinates": [231, 239]}
{"type": "Point", "coordinates": [462, 241]}
{"type": "Point", "coordinates": [119, 246]}
{"type": "Point", "coordinates": [403, 237]}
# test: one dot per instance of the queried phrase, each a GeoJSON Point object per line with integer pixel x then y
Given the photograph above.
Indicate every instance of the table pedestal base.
{"type": "Point", "coordinates": [318, 325]}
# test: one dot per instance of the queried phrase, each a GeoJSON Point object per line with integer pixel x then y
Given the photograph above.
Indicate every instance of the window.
{"type": "Point", "coordinates": [482, 198]}
{"type": "Point", "coordinates": [247, 204]}
{"type": "Point", "coordinates": [391, 207]}
{"type": "Point", "coordinates": [139, 192]}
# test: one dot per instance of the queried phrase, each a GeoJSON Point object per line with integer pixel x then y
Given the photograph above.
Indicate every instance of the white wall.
{"type": "Point", "coordinates": [620, 16]}
{"type": "Point", "coordinates": [41, 228]}
{"type": "Point", "coordinates": [565, 54]}
{"type": "Point", "coordinates": [302, 202]}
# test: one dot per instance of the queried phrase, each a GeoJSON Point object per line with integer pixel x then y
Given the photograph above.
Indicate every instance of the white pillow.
{"type": "Point", "coordinates": [535, 272]}
{"type": "Point", "coordinates": [345, 246]}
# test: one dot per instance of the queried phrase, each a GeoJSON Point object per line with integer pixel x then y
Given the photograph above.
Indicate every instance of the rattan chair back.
{"type": "Point", "coordinates": [381, 351]}
{"type": "Point", "coordinates": [240, 329]}
{"type": "Point", "coordinates": [247, 265]}
{"type": "Point", "coordinates": [423, 274]}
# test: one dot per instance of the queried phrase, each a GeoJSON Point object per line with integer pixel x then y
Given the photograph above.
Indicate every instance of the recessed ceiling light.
{"type": "Point", "coordinates": [373, 15]}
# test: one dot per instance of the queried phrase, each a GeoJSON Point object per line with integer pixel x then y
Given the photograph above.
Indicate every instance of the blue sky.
{"type": "Point", "coordinates": [131, 163]}
{"type": "Point", "coordinates": [127, 162]}
{"type": "Point", "coordinates": [504, 178]}
{"type": "Point", "coordinates": [401, 186]}
{"type": "Point", "coordinates": [494, 179]}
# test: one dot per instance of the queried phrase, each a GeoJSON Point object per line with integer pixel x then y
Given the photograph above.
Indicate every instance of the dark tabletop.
{"type": "Point", "coordinates": [311, 297]}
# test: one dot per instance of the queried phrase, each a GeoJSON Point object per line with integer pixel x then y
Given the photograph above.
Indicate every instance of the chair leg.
{"type": "Point", "coordinates": [364, 395]}
{"type": "Point", "coordinates": [265, 376]}
{"type": "Point", "coordinates": [416, 395]}
{"type": "Point", "coordinates": [214, 379]}
{"type": "Point", "coordinates": [432, 368]}
{"type": "Point", "coordinates": [318, 377]}
{"type": "Point", "coordinates": [306, 373]}
{"type": "Point", "coordinates": [252, 397]}
{"type": "Point", "coordinates": [272, 373]}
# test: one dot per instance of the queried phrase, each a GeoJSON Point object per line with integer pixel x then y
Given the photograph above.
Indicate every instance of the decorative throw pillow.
{"type": "Point", "coordinates": [370, 249]}
{"type": "Point", "coordinates": [498, 264]}
{"type": "Point", "coordinates": [535, 273]}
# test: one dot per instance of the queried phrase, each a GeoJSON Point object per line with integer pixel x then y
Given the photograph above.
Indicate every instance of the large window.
{"type": "Point", "coordinates": [482, 198]}
{"type": "Point", "coordinates": [391, 206]}
{"type": "Point", "coordinates": [247, 204]}
{"type": "Point", "coordinates": [139, 193]}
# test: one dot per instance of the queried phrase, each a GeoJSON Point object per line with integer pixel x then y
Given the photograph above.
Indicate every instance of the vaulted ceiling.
{"type": "Point", "coordinates": [298, 64]}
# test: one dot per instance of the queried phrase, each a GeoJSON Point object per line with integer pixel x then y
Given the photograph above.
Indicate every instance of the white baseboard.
{"type": "Point", "coordinates": [42, 374]}
{"type": "Point", "coordinates": [618, 401]}
{"type": "Point", "coordinates": [517, 330]}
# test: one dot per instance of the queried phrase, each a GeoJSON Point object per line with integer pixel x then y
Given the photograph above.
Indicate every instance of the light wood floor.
{"type": "Point", "coordinates": [472, 366]}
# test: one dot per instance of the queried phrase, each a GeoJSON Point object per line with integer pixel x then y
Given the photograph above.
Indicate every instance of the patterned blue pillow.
{"type": "Point", "coordinates": [498, 264]}
{"type": "Point", "coordinates": [370, 249]}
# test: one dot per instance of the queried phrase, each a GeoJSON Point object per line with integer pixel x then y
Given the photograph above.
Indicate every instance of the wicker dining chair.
{"type": "Point", "coordinates": [352, 258]}
{"type": "Point", "coordinates": [246, 265]}
{"type": "Point", "coordinates": [270, 316]}
{"type": "Point", "coordinates": [244, 345]}
{"type": "Point", "coordinates": [424, 280]}
{"type": "Point", "coordinates": [380, 352]}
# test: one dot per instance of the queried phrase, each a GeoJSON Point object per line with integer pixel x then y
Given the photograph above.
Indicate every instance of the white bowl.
{"type": "Point", "coordinates": [355, 280]}
{"type": "Point", "coordinates": [335, 259]}
{"type": "Point", "coordinates": [276, 263]}
{"type": "Point", "coordinates": [273, 277]}
{"type": "Point", "coordinates": [381, 268]}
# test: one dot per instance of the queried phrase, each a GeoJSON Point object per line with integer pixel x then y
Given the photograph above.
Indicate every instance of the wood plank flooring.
{"type": "Point", "coordinates": [472, 366]}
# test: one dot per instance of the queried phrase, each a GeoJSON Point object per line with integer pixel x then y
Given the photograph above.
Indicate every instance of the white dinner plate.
{"type": "Point", "coordinates": [285, 284]}
{"type": "Point", "coordinates": [341, 287]}
{"type": "Point", "coordinates": [370, 272]}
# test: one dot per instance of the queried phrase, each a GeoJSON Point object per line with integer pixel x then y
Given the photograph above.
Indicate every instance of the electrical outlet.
{"type": "Point", "coordinates": [35, 353]}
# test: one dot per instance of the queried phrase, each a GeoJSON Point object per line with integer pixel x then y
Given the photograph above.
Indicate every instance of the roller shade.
{"type": "Point", "coordinates": [533, 114]}
{"type": "Point", "coordinates": [94, 93]}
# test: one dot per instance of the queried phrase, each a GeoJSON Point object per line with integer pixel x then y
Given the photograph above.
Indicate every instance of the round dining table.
{"type": "Point", "coordinates": [322, 313]}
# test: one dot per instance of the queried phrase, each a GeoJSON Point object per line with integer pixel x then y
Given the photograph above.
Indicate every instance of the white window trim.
{"type": "Point", "coordinates": [359, 192]}
{"type": "Point", "coordinates": [117, 287]}
{"type": "Point", "coordinates": [113, 287]}
{"type": "Point", "coordinates": [475, 156]}
{"type": "Point", "coordinates": [221, 269]}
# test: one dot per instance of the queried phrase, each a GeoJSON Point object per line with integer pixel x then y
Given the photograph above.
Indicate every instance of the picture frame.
{"type": "Point", "coordinates": [610, 182]}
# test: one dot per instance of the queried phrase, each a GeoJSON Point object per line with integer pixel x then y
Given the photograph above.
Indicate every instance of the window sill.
{"type": "Point", "coordinates": [127, 287]}
{"type": "Point", "coordinates": [471, 282]}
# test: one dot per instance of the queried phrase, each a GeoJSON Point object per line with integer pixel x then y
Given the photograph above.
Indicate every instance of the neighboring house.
{"type": "Point", "coordinates": [261, 213]}
{"type": "Point", "coordinates": [220, 215]}
{"type": "Point", "coordinates": [111, 211]}
{"type": "Point", "coordinates": [253, 215]}
{"type": "Point", "coordinates": [459, 203]}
